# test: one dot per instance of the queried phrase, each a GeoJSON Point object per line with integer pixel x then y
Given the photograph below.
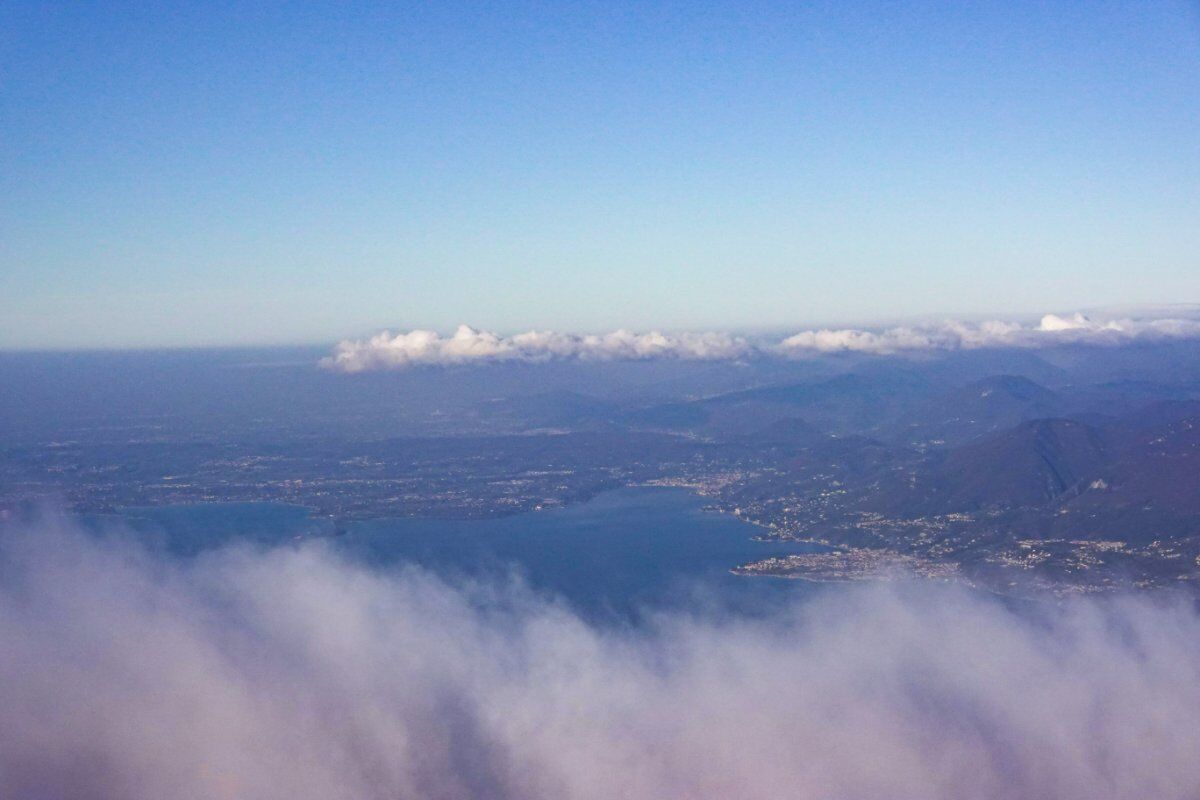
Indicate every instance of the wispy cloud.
{"type": "Point", "coordinates": [290, 674]}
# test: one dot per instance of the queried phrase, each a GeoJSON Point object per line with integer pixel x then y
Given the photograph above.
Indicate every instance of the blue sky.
{"type": "Point", "coordinates": [216, 174]}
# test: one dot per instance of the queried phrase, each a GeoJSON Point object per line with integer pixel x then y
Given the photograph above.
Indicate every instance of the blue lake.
{"type": "Point", "coordinates": [618, 555]}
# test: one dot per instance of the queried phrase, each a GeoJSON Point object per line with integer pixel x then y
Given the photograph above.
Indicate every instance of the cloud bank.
{"type": "Point", "coordinates": [1053, 330]}
{"type": "Point", "coordinates": [468, 345]}
{"type": "Point", "coordinates": [290, 674]}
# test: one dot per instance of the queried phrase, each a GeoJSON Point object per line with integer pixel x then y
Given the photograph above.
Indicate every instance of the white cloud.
{"type": "Point", "coordinates": [289, 674]}
{"type": "Point", "coordinates": [468, 345]}
{"type": "Point", "coordinates": [1052, 330]}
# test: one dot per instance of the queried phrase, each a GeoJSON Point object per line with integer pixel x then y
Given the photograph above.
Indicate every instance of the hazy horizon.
{"type": "Point", "coordinates": [1181, 310]}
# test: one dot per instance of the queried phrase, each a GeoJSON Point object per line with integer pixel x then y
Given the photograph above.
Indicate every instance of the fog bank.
{"type": "Point", "coordinates": [292, 674]}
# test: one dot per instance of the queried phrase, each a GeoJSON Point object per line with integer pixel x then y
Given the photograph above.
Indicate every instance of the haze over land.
{"type": "Point", "coordinates": [1057, 454]}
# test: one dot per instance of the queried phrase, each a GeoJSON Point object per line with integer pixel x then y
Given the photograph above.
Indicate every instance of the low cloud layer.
{"type": "Point", "coordinates": [468, 345]}
{"type": "Point", "coordinates": [290, 674]}
{"type": "Point", "coordinates": [1053, 330]}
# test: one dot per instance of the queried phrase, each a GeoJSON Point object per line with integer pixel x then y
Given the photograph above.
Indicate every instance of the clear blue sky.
{"type": "Point", "coordinates": [214, 173]}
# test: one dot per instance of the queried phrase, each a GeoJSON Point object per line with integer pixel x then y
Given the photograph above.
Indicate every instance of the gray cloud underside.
{"type": "Point", "coordinates": [289, 674]}
{"type": "Point", "coordinates": [468, 345]}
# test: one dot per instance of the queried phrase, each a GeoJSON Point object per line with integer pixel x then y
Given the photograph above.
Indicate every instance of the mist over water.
{"type": "Point", "coordinates": [291, 673]}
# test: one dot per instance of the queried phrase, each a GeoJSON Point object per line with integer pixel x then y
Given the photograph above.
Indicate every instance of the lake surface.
{"type": "Point", "coordinates": [618, 555]}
